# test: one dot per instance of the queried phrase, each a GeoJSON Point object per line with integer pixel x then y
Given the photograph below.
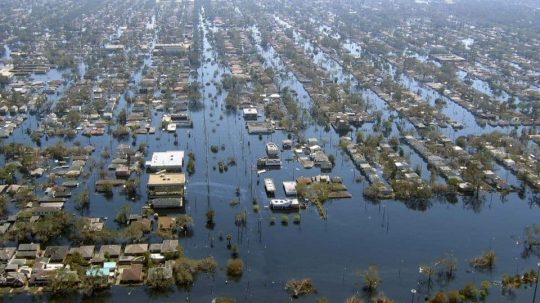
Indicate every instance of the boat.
{"type": "Point", "coordinates": [171, 127]}
{"type": "Point", "coordinates": [284, 203]}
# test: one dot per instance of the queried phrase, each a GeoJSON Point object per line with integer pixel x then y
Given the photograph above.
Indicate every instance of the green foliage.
{"type": "Point", "coordinates": [191, 164]}
{"type": "Point", "coordinates": [372, 280]}
{"type": "Point", "coordinates": [63, 281]}
{"type": "Point", "coordinates": [53, 226]}
{"type": "Point", "coordinates": [186, 270]}
{"type": "Point", "coordinates": [485, 261]}
{"type": "Point", "coordinates": [159, 279]}
{"type": "Point", "coordinates": [122, 216]}
{"type": "Point", "coordinates": [83, 201]}
{"type": "Point", "coordinates": [210, 215]}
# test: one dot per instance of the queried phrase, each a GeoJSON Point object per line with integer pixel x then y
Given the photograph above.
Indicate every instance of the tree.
{"type": "Point", "coordinates": [131, 188]}
{"type": "Point", "coordinates": [159, 278]}
{"type": "Point", "coordinates": [372, 280]}
{"type": "Point", "coordinates": [301, 287]}
{"type": "Point", "coordinates": [63, 281]}
{"type": "Point", "coordinates": [184, 222]}
{"type": "Point", "coordinates": [122, 117]}
{"type": "Point", "coordinates": [91, 284]}
{"type": "Point", "coordinates": [53, 226]}
{"type": "Point", "coordinates": [447, 266]}
{"type": "Point", "coordinates": [134, 232]}
{"type": "Point", "coordinates": [474, 175]}
{"type": "Point", "coordinates": [84, 200]}
{"type": "Point", "coordinates": [427, 271]}
{"type": "Point", "coordinates": [485, 261]}
{"type": "Point", "coordinates": [122, 216]}
{"type": "Point", "coordinates": [354, 299]}
{"type": "Point", "coordinates": [235, 268]}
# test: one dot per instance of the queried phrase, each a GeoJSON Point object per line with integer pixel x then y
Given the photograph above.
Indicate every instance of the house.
{"type": "Point", "coordinates": [87, 251]}
{"type": "Point", "coordinates": [172, 48]}
{"type": "Point", "coordinates": [165, 223]}
{"type": "Point", "coordinates": [46, 210]}
{"type": "Point", "coordinates": [169, 246]}
{"type": "Point", "coordinates": [112, 251]}
{"type": "Point", "coordinates": [169, 161]}
{"type": "Point", "coordinates": [56, 254]}
{"type": "Point", "coordinates": [250, 113]}
{"type": "Point", "coordinates": [166, 203]}
{"type": "Point", "coordinates": [155, 248]}
{"type": "Point", "coordinates": [287, 144]}
{"type": "Point", "coordinates": [40, 277]}
{"type": "Point", "coordinates": [122, 171]}
{"type": "Point", "coordinates": [290, 188]}
{"type": "Point", "coordinates": [28, 251]}
{"type": "Point", "coordinates": [166, 185]}
{"type": "Point", "coordinates": [13, 279]}
{"type": "Point", "coordinates": [132, 274]}
{"type": "Point", "coordinates": [272, 150]}
{"type": "Point", "coordinates": [162, 271]}
{"type": "Point", "coordinates": [6, 254]}
{"type": "Point", "coordinates": [136, 249]}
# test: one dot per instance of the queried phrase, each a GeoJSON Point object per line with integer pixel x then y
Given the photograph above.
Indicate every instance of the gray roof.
{"type": "Point", "coordinates": [169, 246]}
{"type": "Point", "coordinates": [7, 253]}
{"type": "Point", "coordinates": [56, 253]}
{"type": "Point", "coordinates": [28, 247]}
{"type": "Point", "coordinates": [86, 251]}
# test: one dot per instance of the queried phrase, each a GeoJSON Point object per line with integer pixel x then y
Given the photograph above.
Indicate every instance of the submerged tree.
{"type": "Point", "coordinates": [372, 280]}
{"type": "Point", "coordinates": [301, 287]}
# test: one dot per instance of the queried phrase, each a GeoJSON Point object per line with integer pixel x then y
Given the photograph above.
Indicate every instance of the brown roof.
{"type": "Point", "coordinates": [112, 250]}
{"type": "Point", "coordinates": [165, 222]}
{"type": "Point", "coordinates": [132, 274]}
{"type": "Point", "coordinates": [136, 249]}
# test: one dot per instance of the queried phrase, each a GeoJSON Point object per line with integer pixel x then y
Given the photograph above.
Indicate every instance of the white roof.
{"type": "Point", "coordinates": [250, 110]}
{"type": "Point", "coordinates": [290, 187]}
{"type": "Point", "coordinates": [168, 159]}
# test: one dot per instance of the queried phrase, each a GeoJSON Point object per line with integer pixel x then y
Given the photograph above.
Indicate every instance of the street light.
{"type": "Point", "coordinates": [413, 291]}
{"type": "Point", "coordinates": [536, 285]}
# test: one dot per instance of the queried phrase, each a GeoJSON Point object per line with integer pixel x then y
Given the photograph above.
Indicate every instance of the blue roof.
{"type": "Point", "coordinates": [109, 265]}
{"type": "Point", "coordinates": [98, 272]}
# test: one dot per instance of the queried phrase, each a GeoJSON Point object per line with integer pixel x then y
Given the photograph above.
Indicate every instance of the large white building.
{"type": "Point", "coordinates": [169, 160]}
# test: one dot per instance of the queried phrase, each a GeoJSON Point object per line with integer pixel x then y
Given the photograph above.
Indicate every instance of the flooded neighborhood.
{"type": "Point", "coordinates": [269, 151]}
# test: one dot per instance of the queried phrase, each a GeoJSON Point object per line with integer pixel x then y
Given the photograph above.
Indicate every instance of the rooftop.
{"type": "Point", "coordinates": [166, 160]}
{"type": "Point", "coordinates": [166, 179]}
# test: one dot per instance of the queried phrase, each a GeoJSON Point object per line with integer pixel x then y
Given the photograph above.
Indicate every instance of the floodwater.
{"type": "Point", "coordinates": [395, 236]}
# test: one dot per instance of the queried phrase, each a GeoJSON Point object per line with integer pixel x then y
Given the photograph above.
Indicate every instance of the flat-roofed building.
{"type": "Point", "coordinates": [172, 48]}
{"type": "Point", "coordinates": [166, 185]}
{"type": "Point", "coordinates": [169, 160]}
{"type": "Point", "coordinates": [250, 113]}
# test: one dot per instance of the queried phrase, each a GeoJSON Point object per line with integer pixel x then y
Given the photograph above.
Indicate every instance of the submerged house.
{"type": "Point", "coordinates": [166, 185]}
